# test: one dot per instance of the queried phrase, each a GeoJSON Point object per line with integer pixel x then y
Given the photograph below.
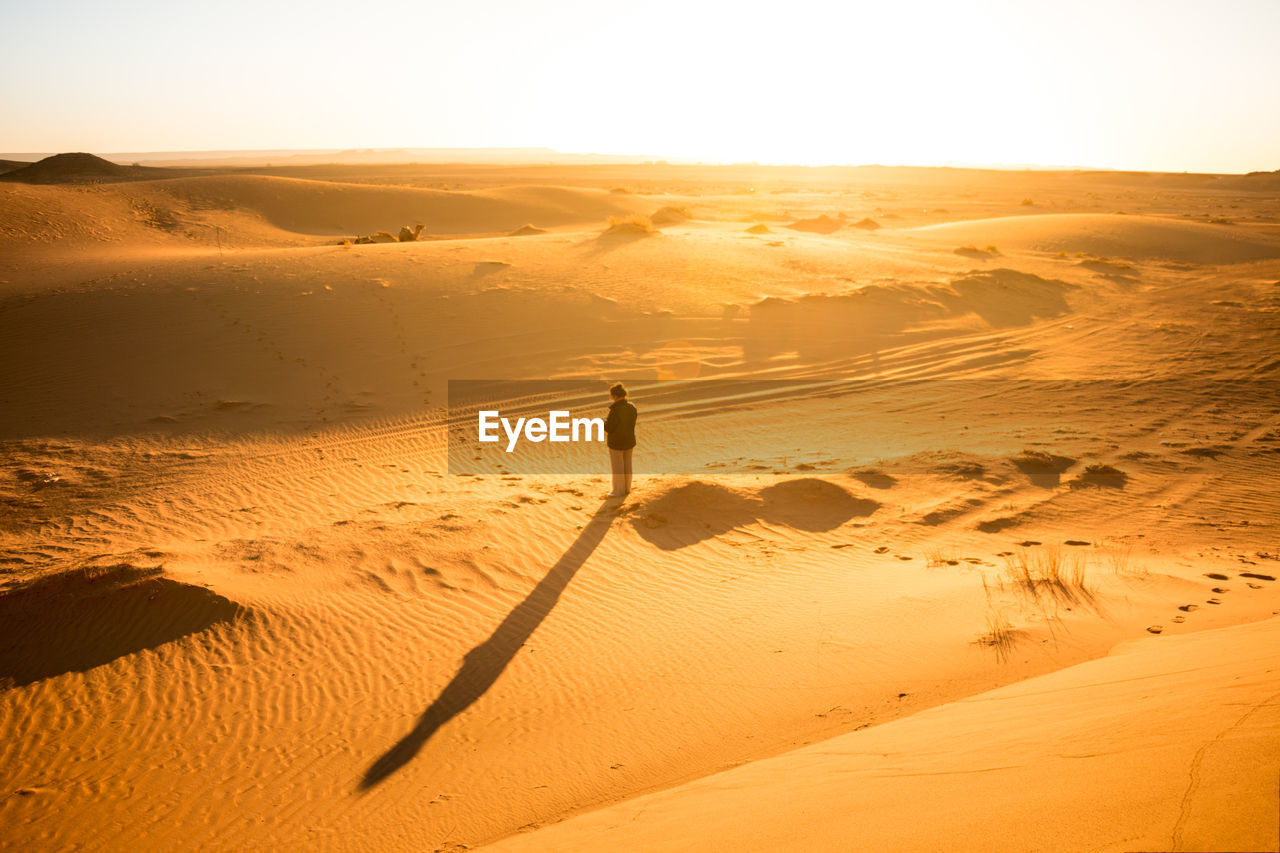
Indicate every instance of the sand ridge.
{"type": "Point", "coordinates": [1103, 236]}
{"type": "Point", "coordinates": [1089, 726]}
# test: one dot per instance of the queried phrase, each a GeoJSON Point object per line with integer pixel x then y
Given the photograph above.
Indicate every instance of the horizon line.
{"type": "Point", "coordinates": [598, 158]}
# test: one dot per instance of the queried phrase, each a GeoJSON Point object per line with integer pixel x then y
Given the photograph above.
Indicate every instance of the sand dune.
{"type": "Point", "coordinates": [321, 207]}
{"type": "Point", "coordinates": [244, 210]}
{"type": "Point", "coordinates": [818, 225]}
{"type": "Point", "coordinates": [995, 527]}
{"type": "Point", "coordinates": [68, 168]}
{"type": "Point", "coordinates": [75, 623]}
{"type": "Point", "coordinates": [10, 165]}
{"type": "Point", "coordinates": [1132, 238]}
{"type": "Point", "coordinates": [1090, 739]}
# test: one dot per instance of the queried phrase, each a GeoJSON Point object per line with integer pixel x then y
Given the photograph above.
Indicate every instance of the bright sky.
{"type": "Point", "coordinates": [1156, 84]}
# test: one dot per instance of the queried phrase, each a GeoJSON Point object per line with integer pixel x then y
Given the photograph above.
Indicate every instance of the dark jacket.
{"type": "Point", "coordinates": [621, 425]}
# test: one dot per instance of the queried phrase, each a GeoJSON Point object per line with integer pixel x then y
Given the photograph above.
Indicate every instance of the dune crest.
{"type": "Point", "coordinates": [866, 787]}
{"type": "Point", "coordinates": [1137, 238]}
{"type": "Point", "coordinates": [75, 623]}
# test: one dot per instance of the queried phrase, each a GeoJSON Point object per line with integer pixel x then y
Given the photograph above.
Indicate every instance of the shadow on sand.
{"type": "Point", "coordinates": [483, 664]}
{"type": "Point", "coordinates": [697, 511]}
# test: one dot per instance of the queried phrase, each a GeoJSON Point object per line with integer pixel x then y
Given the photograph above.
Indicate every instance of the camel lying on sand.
{"type": "Point", "coordinates": [406, 236]}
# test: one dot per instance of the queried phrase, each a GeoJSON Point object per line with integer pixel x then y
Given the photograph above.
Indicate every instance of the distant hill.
{"type": "Point", "coordinates": [353, 156]}
{"type": "Point", "coordinates": [67, 168]}
{"type": "Point", "coordinates": [10, 165]}
{"type": "Point", "coordinates": [1261, 179]}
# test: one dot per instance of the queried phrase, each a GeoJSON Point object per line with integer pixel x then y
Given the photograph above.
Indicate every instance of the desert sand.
{"type": "Point", "coordinates": [988, 562]}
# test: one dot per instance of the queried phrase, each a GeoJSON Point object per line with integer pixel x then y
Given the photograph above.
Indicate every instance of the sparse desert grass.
{"type": "Point", "coordinates": [1103, 265]}
{"type": "Point", "coordinates": [1042, 466]}
{"type": "Point", "coordinates": [633, 224]}
{"type": "Point", "coordinates": [1035, 459]}
{"type": "Point", "coordinates": [972, 251]}
{"type": "Point", "coordinates": [1047, 571]}
{"type": "Point", "coordinates": [1102, 475]}
{"type": "Point", "coordinates": [964, 470]}
{"type": "Point", "coordinates": [1000, 635]}
{"type": "Point", "coordinates": [936, 557]}
{"type": "Point", "coordinates": [1119, 556]}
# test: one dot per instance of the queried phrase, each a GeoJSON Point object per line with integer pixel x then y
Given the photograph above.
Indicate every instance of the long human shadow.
{"type": "Point", "coordinates": [483, 664]}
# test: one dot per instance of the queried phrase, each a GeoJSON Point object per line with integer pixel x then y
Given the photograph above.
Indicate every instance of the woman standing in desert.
{"type": "Point", "coordinates": [620, 428]}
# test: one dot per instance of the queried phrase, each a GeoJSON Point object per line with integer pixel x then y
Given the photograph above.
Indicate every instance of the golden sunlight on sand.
{"type": "Point", "coordinates": [954, 523]}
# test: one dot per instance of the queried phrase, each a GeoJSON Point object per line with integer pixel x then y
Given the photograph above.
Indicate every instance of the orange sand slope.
{"type": "Point", "coordinates": [1130, 238]}
{"type": "Point", "coordinates": [884, 472]}
{"type": "Point", "coordinates": [243, 208]}
{"type": "Point", "coordinates": [1148, 742]}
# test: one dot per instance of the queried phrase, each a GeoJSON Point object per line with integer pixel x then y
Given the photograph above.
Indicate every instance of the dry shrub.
{"type": "Point", "coordinates": [1100, 475]}
{"type": "Point", "coordinates": [1035, 459]}
{"type": "Point", "coordinates": [1119, 556]}
{"type": "Point", "coordinates": [1048, 571]}
{"type": "Point", "coordinates": [633, 224]}
{"type": "Point", "coordinates": [1000, 635]}
{"type": "Point", "coordinates": [936, 557]}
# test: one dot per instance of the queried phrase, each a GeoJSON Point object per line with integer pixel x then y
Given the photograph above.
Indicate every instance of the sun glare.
{"type": "Point", "coordinates": [1144, 84]}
